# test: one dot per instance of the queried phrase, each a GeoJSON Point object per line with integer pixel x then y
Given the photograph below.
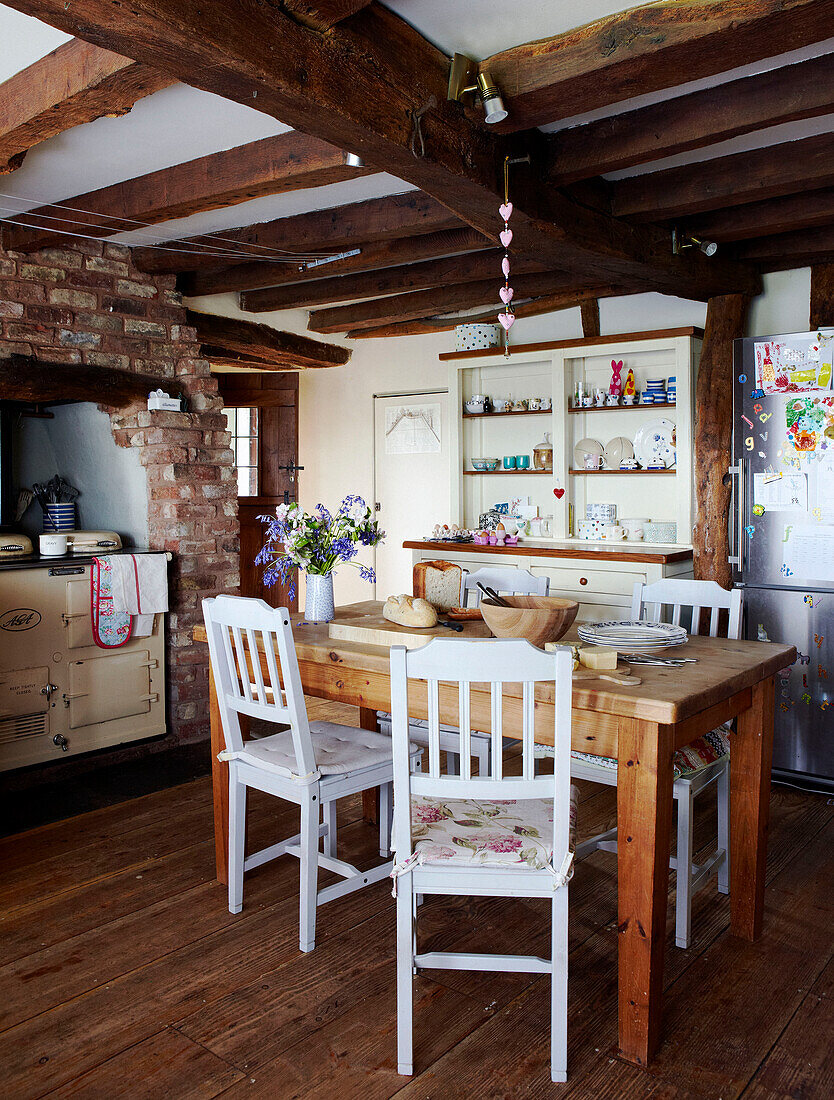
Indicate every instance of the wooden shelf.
{"type": "Point", "coordinates": [624, 408]}
{"type": "Point", "coordinates": [526, 412]}
{"type": "Point", "coordinates": [501, 470]}
{"type": "Point", "coordinates": [624, 473]}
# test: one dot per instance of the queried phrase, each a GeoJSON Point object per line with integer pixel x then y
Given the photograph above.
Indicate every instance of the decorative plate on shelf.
{"type": "Point", "coordinates": [655, 443]}
{"type": "Point", "coordinates": [586, 447]}
{"type": "Point", "coordinates": [618, 449]}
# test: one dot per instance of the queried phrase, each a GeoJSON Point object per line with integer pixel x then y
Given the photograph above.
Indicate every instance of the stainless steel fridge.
{"type": "Point", "coordinates": [782, 534]}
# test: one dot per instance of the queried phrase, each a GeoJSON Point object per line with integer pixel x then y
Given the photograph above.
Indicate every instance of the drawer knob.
{"type": "Point", "coordinates": [583, 580]}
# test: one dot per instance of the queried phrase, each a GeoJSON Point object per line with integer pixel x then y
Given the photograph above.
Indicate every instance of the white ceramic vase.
{"type": "Point", "coordinates": [319, 607]}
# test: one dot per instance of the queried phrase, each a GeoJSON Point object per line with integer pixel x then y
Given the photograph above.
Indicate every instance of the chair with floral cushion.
{"type": "Point", "coordinates": [494, 835]}
{"type": "Point", "coordinates": [311, 764]}
{"type": "Point", "coordinates": [696, 766]}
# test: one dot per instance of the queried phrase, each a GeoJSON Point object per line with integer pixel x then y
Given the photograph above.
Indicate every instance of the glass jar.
{"type": "Point", "coordinates": [543, 454]}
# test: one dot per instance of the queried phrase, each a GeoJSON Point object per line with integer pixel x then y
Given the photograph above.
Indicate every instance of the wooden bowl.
{"type": "Point", "coordinates": [539, 619]}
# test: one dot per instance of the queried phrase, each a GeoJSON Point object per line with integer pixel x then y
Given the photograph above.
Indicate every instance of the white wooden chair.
{"type": "Point", "coordinates": [508, 848]}
{"type": "Point", "coordinates": [686, 599]}
{"type": "Point", "coordinates": [311, 764]}
{"type": "Point", "coordinates": [505, 581]}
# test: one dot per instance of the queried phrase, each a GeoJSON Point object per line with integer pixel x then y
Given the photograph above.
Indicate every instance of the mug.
{"type": "Point", "coordinates": [613, 531]}
{"type": "Point", "coordinates": [534, 403]}
{"type": "Point", "coordinates": [522, 462]}
{"type": "Point", "coordinates": [509, 462]}
{"type": "Point", "coordinates": [587, 401]}
{"type": "Point", "coordinates": [594, 462]}
{"type": "Point", "coordinates": [53, 546]}
{"type": "Point", "coordinates": [647, 397]}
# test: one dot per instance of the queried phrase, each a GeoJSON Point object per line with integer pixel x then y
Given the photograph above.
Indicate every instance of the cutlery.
{"type": "Point", "coordinates": [451, 626]}
{"type": "Point", "coordinates": [491, 594]}
{"type": "Point", "coordinates": [647, 659]}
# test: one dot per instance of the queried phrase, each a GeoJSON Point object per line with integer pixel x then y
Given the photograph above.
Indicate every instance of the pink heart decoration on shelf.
{"type": "Point", "coordinates": [505, 266]}
{"type": "Point", "coordinates": [507, 320]}
{"type": "Point", "coordinates": [558, 493]}
{"type": "Point", "coordinates": [506, 294]}
{"type": "Point", "coordinates": [505, 237]}
{"type": "Point", "coordinates": [506, 210]}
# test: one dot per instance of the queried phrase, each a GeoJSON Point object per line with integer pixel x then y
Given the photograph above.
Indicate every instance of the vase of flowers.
{"type": "Point", "coordinates": [317, 542]}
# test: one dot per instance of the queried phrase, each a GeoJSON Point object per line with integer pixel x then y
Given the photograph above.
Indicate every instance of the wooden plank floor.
{"type": "Point", "coordinates": [122, 974]}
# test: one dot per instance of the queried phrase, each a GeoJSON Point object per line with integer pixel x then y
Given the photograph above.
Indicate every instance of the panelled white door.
{"type": "Point", "coordinates": [412, 478]}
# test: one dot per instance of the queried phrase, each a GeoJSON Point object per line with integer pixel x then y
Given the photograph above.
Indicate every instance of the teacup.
{"type": "Point", "coordinates": [534, 404]}
{"type": "Point", "coordinates": [522, 462]}
{"type": "Point", "coordinates": [613, 532]}
{"type": "Point", "coordinates": [509, 462]}
{"type": "Point", "coordinates": [500, 404]}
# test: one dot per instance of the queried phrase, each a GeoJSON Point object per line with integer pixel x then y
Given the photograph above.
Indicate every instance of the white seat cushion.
{"type": "Point", "coordinates": [508, 833]}
{"type": "Point", "coordinates": [338, 749]}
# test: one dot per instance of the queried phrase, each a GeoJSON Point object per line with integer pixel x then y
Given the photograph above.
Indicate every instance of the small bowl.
{"type": "Point", "coordinates": [485, 464]}
{"type": "Point", "coordinates": [539, 619]}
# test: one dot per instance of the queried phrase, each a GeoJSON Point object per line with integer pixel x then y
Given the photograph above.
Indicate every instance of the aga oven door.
{"type": "Point", "coordinates": [112, 686]}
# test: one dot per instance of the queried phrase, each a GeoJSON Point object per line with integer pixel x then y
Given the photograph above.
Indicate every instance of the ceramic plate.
{"type": "Point", "coordinates": [655, 442]}
{"type": "Point", "coordinates": [618, 449]}
{"type": "Point", "coordinates": [633, 635]}
{"type": "Point", "coordinates": [586, 447]}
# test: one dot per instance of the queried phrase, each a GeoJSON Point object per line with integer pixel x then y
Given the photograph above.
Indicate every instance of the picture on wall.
{"type": "Point", "coordinates": [412, 429]}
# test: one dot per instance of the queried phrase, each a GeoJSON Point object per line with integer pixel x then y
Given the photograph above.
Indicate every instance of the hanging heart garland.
{"type": "Point", "coordinates": [506, 318]}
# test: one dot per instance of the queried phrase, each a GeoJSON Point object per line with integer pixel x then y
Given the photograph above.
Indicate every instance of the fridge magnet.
{"type": "Point", "coordinates": [803, 658]}
{"type": "Point", "coordinates": [742, 378]}
{"type": "Point", "coordinates": [750, 530]}
{"type": "Point", "coordinates": [749, 423]}
{"type": "Point", "coordinates": [809, 600]}
{"type": "Point", "coordinates": [806, 698]}
{"type": "Point", "coordinates": [825, 704]}
{"type": "Point", "coordinates": [818, 640]}
{"type": "Point", "coordinates": [786, 572]}
{"type": "Point", "coordinates": [761, 633]}
{"type": "Point", "coordinates": [756, 393]}
{"type": "Point", "coordinates": [822, 673]}
{"type": "Point", "coordinates": [763, 436]}
{"type": "Point", "coordinates": [817, 514]}
{"type": "Point", "coordinates": [757, 408]}
{"type": "Point", "coordinates": [748, 443]}
{"type": "Point", "coordinates": [762, 454]}
{"type": "Point", "coordinates": [764, 417]}
{"type": "Point", "coordinates": [758, 510]}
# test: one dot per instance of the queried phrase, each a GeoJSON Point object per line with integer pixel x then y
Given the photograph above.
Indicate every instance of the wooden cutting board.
{"type": "Point", "coordinates": [373, 629]}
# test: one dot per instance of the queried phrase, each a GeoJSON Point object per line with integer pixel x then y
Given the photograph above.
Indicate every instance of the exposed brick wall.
{"type": "Point", "coordinates": [86, 303]}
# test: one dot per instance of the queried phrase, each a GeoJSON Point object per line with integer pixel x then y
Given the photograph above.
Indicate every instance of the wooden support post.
{"type": "Point", "coordinates": [590, 317]}
{"type": "Point", "coordinates": [822, 296]}
{"type": "Point", "coordinates": [713, 437]}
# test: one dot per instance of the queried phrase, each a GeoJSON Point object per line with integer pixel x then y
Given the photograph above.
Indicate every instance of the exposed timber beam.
{"type": "Point", "coordinates": [727, 181]}
{"type": "Point", "coordinates": [273, 165]}
{"type": "Point", "coordinates": [804, 210]}
{"type": "Point", "coordinates": [324, 14]}
{"type": "Point", "coordinates": [547, 303]}
{"type": "Point", "coordinates": [822, 296]}
{"type": "Point", "coordinates": [336, 229]}
{"type": "Point", "coordinates": [692, 121]}
{"type": "Point", "coordinates": [647, 49]}
{"type": "Point", "coordinates": [360, 86]}
{"type": "Point", "coordinates": [244, 341]}
{"type": "Point", "coordinates": [444, 299]}
{"type": "Point", "coordinates": [371, 257]}
{"type": "Point", "coordinates": [589, 312]}
{"type": "Point", "coordinates": [76, 83]}
{"type": "Point", "coordinates": [371, 284]}
{"type": "Point", "coordinates": [787, 250]}
{"type": "Point", "coordinates": [23, 378]}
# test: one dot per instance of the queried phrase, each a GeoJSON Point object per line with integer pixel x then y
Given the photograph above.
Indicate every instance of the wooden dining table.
{"type": "Point", "coordinates": [641, 726]}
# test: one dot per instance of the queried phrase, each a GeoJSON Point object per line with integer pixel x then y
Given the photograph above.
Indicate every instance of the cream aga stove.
{"type": "Point", "coordinates": [59, 692]}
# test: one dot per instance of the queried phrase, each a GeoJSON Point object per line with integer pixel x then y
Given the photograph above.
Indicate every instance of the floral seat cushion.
{"type": "Point", "coordinates": [698, 754]}
{"type": "Point", "coordinates": [508, 833]}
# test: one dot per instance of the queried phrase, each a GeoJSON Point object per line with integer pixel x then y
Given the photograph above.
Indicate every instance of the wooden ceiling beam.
{"type": "Point", "coordinates": [443, 299]}
{"type": "Point", "coordinates": [804, 210]}
{"type": "Point", "coordinates": [692, 121]}
{"type": "Point", "coordinates": [23, 378]}
{"type": "Point", "coordinates": [647, 49]}
{"type": "Point", "coordinates": [246, 342]}
{"type": "Point", "coordinates": [336, 229]}
{"type": "Point", "coordinates": [786, 250]}
{"type": "Point", "coordinates": [76, 83]}
{"type": "Point", "coordinates": [324, 14]}
{"type": "Point", "coordinates": [371, 284]}
{"type": "Point", "coordinates": [547, 303]}
{"type": "Point", "coordinates": [727, 181]}
{"type": "Point", "coordinates": [361, 86]}
{"type": "Point", "coordinates": [372, 256]}
{"type": "Point", "coordinates": [271, 166]}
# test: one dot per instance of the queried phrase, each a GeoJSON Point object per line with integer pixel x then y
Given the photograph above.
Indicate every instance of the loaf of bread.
{"type": "Point", "coordinates": [409, 611]}
{"type": "Point", "coordinates": [439, 582]}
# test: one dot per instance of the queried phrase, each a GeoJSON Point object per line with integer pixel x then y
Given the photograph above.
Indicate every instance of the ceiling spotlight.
{"type": "Point", "coordinates": [464, 79]}
{"type": "Point", "coordinates": [680, 241]}
{"type": "Point", "coordinates": [353, 160]}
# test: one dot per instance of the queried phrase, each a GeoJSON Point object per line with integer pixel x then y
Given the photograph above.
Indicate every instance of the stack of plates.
{"type": "Point", "coordinates": [633, 636]}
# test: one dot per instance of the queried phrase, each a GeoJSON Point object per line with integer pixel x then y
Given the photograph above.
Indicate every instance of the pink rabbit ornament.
{"type": "Point", "coordinates": [616, 386]}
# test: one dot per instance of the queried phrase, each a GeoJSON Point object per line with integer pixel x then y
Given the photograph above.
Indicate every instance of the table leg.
{"type": "Point", "coordinates": [644, 821]}
{"type": "Point", "coordinates": [220, 787]}
{"type": "Point", "coordinates": [751, 756]}
{"type": "Point", "coordinates": [370, 798]}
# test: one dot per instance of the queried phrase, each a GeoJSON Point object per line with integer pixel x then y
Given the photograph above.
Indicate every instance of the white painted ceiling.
{"type": "Point", "coordinates": [180, 123]}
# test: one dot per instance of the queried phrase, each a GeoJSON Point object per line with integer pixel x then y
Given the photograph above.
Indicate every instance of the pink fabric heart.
{"type": "Point", "coordinates": [506, 294]}
{"type": "Point", "coordinates": [505, 237]}
{"type": "Point", "coordinates": [507, 320]}
{"type": "Point", "coordinates": [505, 210]}
{"type": "Point", "coordinates": [505, 266]}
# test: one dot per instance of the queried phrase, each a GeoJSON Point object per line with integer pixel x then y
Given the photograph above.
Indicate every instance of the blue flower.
{"type": "Point", "coordinates": [366, 573]}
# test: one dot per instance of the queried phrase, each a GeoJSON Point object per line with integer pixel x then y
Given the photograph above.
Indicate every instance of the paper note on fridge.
{"type": "Point", "coordinates": [809, 552]}
{"type": "Point", "coordinates": [788, 493]}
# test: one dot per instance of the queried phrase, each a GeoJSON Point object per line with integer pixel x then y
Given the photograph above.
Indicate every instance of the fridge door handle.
{"type": "Point", "coordinates": [737, 521]}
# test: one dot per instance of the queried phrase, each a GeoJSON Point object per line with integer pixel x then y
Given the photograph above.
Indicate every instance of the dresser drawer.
{"type": "Point", "coordinates": [583, 584]}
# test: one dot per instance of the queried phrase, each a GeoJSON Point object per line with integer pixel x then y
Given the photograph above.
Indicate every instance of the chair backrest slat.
{"type": "Point", "coordinates": [503, 665]}
{"type": "Point", "coordinates": [695, 595]}
{"type": "Point", "coordinates": [505, 581]}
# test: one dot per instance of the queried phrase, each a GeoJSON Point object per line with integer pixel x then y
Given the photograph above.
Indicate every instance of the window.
{"type": "Point", "coordinates": [243, 424]}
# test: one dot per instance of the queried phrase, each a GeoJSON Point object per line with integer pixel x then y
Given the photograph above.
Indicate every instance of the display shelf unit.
{"type": "Point", "coordinates": [552, 370]}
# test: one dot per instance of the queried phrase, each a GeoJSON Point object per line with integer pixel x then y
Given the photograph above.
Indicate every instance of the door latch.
{"type": "Point", "coordinates": [48, 691]}
{"type": "Point", "coordinates": [61, 741]}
